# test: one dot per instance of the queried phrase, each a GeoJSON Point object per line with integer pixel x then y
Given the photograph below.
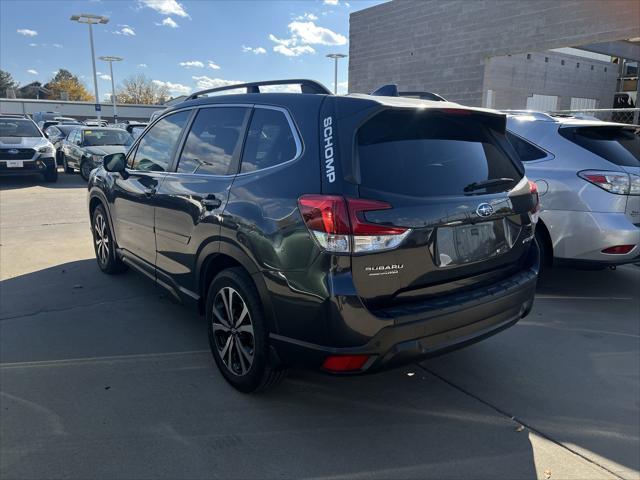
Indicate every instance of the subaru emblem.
{"type": "Point", "coordinates": [484, 210]}
{"type": "Point", "coordinates": [13, 151]}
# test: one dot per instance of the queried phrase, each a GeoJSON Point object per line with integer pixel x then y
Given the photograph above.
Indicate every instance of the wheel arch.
{"type": "Point", "coordinates": [96, 198]}
{"type": "Point", "coordinates": [542, 229]}
{"type": "Point", "coordinates": [213, 262]}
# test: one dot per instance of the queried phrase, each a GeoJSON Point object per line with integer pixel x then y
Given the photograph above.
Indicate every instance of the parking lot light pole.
{"type": "Point", "coordinates": [336, 57]}
{"type": "Point", "coordinates": [112, 59]}
{"type": "Point", "coordinates": [90, 20]}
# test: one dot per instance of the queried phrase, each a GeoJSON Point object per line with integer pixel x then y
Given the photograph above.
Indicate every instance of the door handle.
{"type": "Point", "coordinates": [210, 202]}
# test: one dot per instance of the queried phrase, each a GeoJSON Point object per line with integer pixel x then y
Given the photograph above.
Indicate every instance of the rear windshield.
{"type": "Point", "coordinates": [618, 145]}
{"type": "Point", "coordinates": [427, 153]}
{"type": "Point", "coordinates": [18, 128]}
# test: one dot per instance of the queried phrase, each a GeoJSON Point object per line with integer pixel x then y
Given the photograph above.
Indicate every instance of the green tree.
{"type": "Point", "coordinates": [66, 85]}
{"type": "Point", "coordinates": [141, 90]}
{"type": "Point", "coordinates": [6, 82]}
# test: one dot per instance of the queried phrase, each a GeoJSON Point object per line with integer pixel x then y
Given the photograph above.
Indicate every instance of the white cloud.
{"type": "Point", "coordinates": [166, 7]}
{"type": "Point", "coordinates": [33, 44]}
{"type": "Point", "coordinates": [168, 22]}
{"type": "Point", "coordinates": [203, 82]}
{"type": "Point", "coordinates": [125, 30]}
{"type": "Point", "coordinates": [255, 51]}
{"type": "Point", "coordinates": [26, 32]}
{"type": "Point", "coordinates": [104, 76]}
{"type": "Point", "coordinates": [306, 16]}
{"type": "Point", "coordinates": [56, 45]}
{"type": "Point", "coordinates": [343, 87]}
{"type": "Point", "coordinates": [142, 65]}
{"type": "Point", "coordinates": [293, 51]}
{"type": "Point", "coordinates": [175, 89]}
{"type": "Point", "coordinates": [32, 71]}
{"type": "Point", "coordinates": [192, 64]}
{"type": "Point", "coordinates": [331, 2]}
{"type": "Point", "coordinates": [309, 32]}
{"type": "Point", "coordinates": [213, 65]}
{"type": "Point", "coordinates": [303, 35]}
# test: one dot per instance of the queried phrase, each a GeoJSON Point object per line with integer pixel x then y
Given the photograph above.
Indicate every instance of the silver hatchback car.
{"type": "Point", "coordinates": [588, 177]}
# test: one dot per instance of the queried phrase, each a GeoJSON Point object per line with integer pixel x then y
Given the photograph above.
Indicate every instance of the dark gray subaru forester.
{"type": "Point", "coordinates": [345, 233]}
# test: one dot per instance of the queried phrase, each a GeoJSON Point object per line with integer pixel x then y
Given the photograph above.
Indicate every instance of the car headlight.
{"type": "Point", "coordinates": [46, 149]}
{"type": "Point", "coordinates": [97, 159]}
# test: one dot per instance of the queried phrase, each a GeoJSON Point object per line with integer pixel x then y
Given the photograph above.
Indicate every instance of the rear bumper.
{"type": "Point", "coordinates": [578, 238]}
{"type": "Point", "coordinates": [29, 167]}
{"type": "Point", "coordinates": [424, 329]}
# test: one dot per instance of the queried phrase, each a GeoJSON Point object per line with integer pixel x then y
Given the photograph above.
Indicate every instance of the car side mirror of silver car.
{"type": "Point", "coordinates": [115, 162]}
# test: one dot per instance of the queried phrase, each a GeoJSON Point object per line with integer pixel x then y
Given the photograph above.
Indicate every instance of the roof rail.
{"type": "Point", "coordinates": [423, 96]}
{"type": "Point", "coordinates": [306, 86]}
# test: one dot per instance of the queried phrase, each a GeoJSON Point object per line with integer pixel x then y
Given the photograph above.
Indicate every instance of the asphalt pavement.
{"type": "Point", "coordinates": [107, 377]}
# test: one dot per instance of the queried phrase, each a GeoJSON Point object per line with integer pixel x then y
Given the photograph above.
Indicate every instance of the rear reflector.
{"type": "Point", "coordinates": [338, 224]}
{"type": "Point", "coordinates": [618, 249]}
{"type": "Point", "coordinates": [345, 363]}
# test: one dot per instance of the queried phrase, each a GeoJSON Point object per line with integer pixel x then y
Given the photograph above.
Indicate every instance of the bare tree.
{"type": "Point", "coordinates": [142, 90]}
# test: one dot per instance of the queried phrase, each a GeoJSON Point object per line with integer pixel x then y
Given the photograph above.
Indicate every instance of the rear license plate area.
{"type": "Point", "coordinates": [462, 244]}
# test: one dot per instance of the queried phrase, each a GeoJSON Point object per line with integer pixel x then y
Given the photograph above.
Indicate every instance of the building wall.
{"type": "Point", "coordinates": [78, 110]}
{"type": "Point", "coordinates": [513, 78]}
{"type": "Point", "coordinates": [442, 45]}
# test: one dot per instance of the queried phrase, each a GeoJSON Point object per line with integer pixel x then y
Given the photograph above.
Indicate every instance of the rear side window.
{"type": "Point", "coordinates": [270, 141]}
{"type": "Point", "coordinates": [429, 154]}
{"type": "Point", "coordinates": [156, 148]}
{"type": "Point", "coordinates": [615, 144]}
{"type": "Point", "coordinates": [214, 139]}
{"type": "Point", "coordinates": [526, 151]}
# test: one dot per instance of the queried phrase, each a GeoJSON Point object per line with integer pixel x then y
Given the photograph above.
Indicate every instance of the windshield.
{"type": "Point", "coordinates": [18, 128]}
{"type": "Point", "coordinates": [616, 144]}
{"type": "Point", "coordinates": [419, 154]}
{"type": "Point", "coordinates": [107, 137]}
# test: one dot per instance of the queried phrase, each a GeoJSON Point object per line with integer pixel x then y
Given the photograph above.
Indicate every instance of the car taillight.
{"type": "Point", "coordinates": [618, 249]}
{"type": "Point", "coordinates": [338, 224]}
{"type": "Point", "coordinates": [533, 188]}
{"type": "Point", "coordinates": [613, 182]}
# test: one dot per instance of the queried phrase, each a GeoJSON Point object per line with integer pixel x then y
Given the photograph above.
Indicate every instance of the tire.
{"type": "Point", "coordinates": [546, 253]}
{"type": "Point", "coordinates": [103, 243]}
{"type": "Point", "coordinates": [239, 348]}
{"type": "Point", "coordinates": [85, 169]}
{"type": "Point", "coordinates": [67, 168]}
{"type": "Point", "coordinates": [51, 174]}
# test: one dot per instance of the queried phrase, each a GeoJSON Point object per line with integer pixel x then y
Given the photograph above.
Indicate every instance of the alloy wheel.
{"type": "Point", "coordinates": [233, 331]}
{"type": "Point", "coordinates": [101, 239]}
{"type": "Point", "coordinates": [85, 168]}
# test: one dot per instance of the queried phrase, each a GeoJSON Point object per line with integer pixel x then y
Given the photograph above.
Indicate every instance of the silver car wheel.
{"type": "Point", "coordinates": [101, 239]}
{"type": "Point", "coordinates": [233, 331]}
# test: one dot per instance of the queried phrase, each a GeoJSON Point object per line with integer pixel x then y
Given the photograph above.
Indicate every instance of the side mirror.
{"type": "Point", "coordinates": [116, 162]}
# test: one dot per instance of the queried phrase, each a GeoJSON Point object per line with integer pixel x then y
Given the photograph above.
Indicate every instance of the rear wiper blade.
{"type": "Point", "coordinates": [487, 183]}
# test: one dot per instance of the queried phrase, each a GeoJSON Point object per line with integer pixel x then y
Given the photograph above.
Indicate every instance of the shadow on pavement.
{"type": "Point", "coordinates": [571, 369]}
{"type": "Point", "coordinates": [123, 386]}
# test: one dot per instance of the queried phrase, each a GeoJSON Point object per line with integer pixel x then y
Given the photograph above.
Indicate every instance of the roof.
{"type": "Point", "coordinates": [524, 116]}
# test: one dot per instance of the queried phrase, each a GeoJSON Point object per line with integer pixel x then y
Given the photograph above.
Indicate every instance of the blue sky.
{"type": "Point", "coordinates": [185, 45]}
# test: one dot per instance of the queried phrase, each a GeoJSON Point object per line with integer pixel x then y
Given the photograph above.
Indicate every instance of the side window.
{"type": "Point", "coordinates": [270, 141]}
{"type": "Point", "coordinates": [156, 148]}
{"type": "Point", "coordinates": [525, 150]}
{"type": "Point", "coordinates": [214, 139]}
{"type": "Point", "coordinates": [72, 136]}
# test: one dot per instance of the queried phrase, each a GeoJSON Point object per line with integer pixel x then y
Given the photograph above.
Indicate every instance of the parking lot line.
{"type": "Point", "coordinates": [578, 297]}
{"type": "Point", "coordinates": [105, 359]}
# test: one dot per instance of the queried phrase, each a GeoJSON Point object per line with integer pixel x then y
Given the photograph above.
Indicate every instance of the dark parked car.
{"type": "Point", "coordinates": [24, 150]}
{"type": "Point", "coordinates": [346, 233]}
{"type": "Point", "coordinates": [84, 148]}
{"type": "Point", "coordinates": [57, 134]}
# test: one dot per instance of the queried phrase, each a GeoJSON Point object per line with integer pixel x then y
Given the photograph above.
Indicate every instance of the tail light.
{"type": "Point", "coordinates": [345, 363]}
{"type": "Point", "coordinates": [613, 182]}
{"type": "Point", "coordinates": [533, 188]}
{"type": "Point", "coordinates": [618, 249]}
{"type": "Point", "coordinates": [338, 224]}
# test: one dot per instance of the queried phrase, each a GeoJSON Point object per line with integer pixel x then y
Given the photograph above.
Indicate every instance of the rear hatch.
{"type": "Point", "coordinates": [450, 178]}
{"type": "Point", "coordinates": [620, 146]}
